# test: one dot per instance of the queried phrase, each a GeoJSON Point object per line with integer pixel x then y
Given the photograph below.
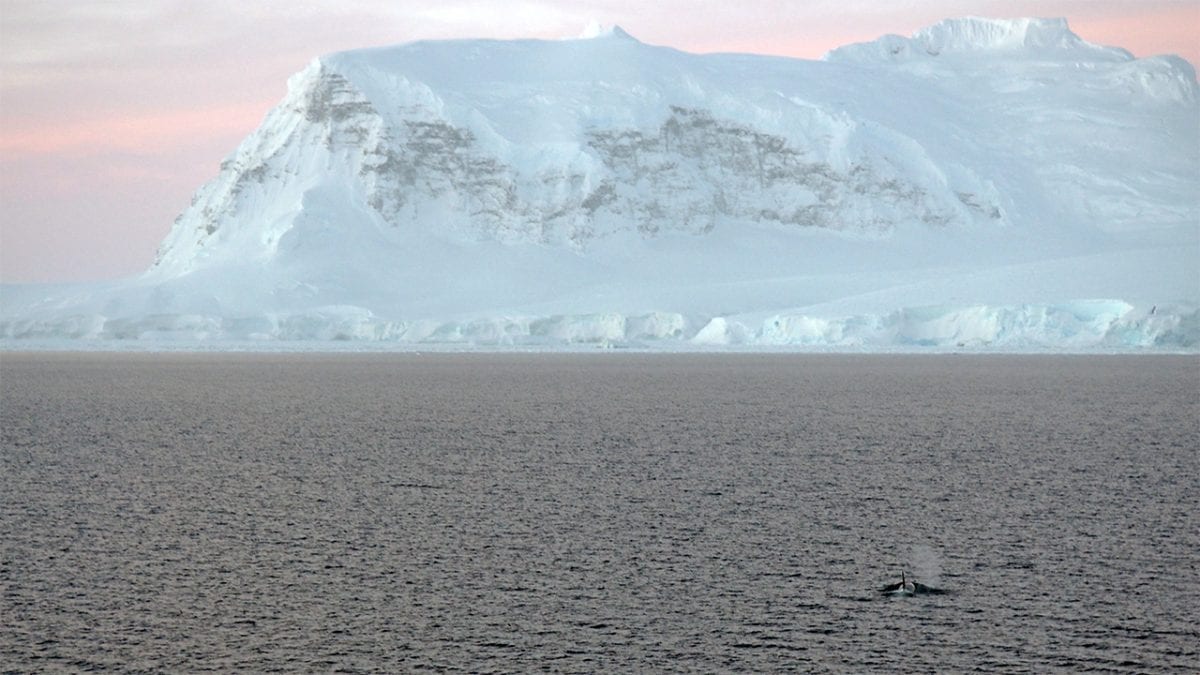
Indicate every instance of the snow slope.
{"type": "Point", "coordinates": [988, 184]}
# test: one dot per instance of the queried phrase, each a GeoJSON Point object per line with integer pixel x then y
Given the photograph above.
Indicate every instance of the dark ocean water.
{"type": "Point", "coordinates": [598, 513]}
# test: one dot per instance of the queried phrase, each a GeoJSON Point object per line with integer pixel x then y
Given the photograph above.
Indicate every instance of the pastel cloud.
{"type": "Point", "coordinates": [112, 113]}
{"type": "Point", "coordinates": [141, 131]}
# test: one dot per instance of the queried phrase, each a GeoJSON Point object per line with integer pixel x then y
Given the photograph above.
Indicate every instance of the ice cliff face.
{"type": "Point", "coordinates": [983, 182]}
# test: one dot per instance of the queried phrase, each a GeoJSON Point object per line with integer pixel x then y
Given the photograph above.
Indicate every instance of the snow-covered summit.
{"type": "Point", "coordinates": [986, 188]}
{"type": "Point", "coordinates": [976, 36]}
{"type": "Point", "coordinates": [595, 29]}
{"type": "Point", "coordinates": [565, 143]}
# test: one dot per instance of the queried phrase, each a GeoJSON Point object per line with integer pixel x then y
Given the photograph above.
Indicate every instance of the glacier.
{"type": "Point", "coordinates": [984, 184]}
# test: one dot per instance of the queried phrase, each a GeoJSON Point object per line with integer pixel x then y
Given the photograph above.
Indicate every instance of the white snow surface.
{"type": "Point", "coordinates": [984, 184]}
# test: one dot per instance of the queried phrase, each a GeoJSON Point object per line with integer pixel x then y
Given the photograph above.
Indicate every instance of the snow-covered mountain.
{"type": "Point", "coordinates": [984, 183]}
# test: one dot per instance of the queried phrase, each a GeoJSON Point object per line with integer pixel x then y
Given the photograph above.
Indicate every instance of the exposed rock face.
{"type": "Point", "coordinates": [684, 175]}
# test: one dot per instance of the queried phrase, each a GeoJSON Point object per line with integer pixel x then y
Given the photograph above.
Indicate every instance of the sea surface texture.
{"type": "Point", "coordinates": [598, 513]}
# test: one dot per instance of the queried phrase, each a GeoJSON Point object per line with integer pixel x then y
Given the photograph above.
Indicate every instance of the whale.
{"type": "Point", "coordinates": [907, 588]}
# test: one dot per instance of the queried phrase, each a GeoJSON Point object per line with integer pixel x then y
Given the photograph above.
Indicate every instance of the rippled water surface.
{"type": "Point", "coordinates": [591, 513]}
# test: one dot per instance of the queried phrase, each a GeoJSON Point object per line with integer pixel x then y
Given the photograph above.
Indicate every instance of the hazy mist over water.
{"type": "Point", "coordinates": [590, 513]}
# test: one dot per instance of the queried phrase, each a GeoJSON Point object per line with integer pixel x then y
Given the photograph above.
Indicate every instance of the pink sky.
{"type": "Point", "coordinates": [113, 113]}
